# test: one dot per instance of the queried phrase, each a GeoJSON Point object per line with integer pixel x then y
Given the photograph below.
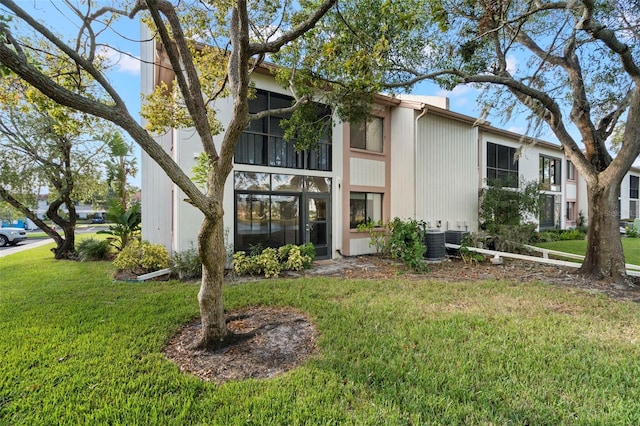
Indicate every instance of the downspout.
{"type": "Point", "coordinates": [415, 160]}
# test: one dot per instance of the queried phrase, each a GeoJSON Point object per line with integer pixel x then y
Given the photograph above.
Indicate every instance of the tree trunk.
{"type": "Point", "coordinates": [212, 252]}
{"type": "Point", "coordinates": [605, 257]}
{"type": "Point", "coordinates": [66, 248]}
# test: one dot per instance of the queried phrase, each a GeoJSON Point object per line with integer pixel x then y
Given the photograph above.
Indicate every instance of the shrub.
{"type": "Point", "coordinates": [572, 234]}
{"type": "Point", "coordinates": [377, 234]}
{"type": "Point", "coordinates": [244, 264]}
{"type": "Point", "coordinates": [548, 236]}
{"type": "Point", "coordinates": [512, 238]}
{"type": "Point", "coordinates": [406, 242]}
{"type": "Point", "coordinates": [126, 224]}
{"type": "Point", "coordinates": [271, 262]}
{"type": "Point", "coordinates": [142, 257]}
{"type": "Point", "coordinates": [295, 258]}
{"type": "Point", "coordinates": [561, 235]}
{"type": "Point", "coordinates": [186, 264]}
{"type": "Point", "coordinates": [92, 249]}
{"type": "Point", "coordinates": [507, 205]}
{"type": "Point", "coordinates": [631, 232]}
{"type": "Point", "coordinates": [308, 252]}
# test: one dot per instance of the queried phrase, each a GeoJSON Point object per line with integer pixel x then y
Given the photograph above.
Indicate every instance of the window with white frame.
{"type": "Point", "coordinates": [502, 165]}
{"type": "Point", "coordinates": [364, 207]}
{"type": "Point", "coordinates": [367, 135]}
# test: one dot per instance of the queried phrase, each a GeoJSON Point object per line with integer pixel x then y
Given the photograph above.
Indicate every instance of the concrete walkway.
{"type": "Point", "coordinates": [24, 245]}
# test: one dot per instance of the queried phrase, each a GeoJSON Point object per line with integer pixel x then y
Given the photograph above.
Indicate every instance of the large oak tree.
{"type": "Point", "coordinates": [571, 66]}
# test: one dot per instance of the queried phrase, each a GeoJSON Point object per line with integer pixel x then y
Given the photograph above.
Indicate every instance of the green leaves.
{"type": "Point", "coordinates": [126, 224]}
{"type": "Point", "coordinates": [508, 206]}
{"type": "Point", "coordinates": [202, 169]}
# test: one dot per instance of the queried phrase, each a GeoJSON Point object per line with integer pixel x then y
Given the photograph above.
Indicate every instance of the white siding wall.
{"type": "Point", "coordinates": [367, 172]}
{"type": "Point", "coordinates": [187, 219]}
{"type": "Point", "coordinates": [583, 199]}
{"type": "Point", "coordinates": [156, 186]}
{"type": "Point", "coordinates": [403, 163]}
{"type": "Point", "coordinates": [625, 197]}
{"type": "Point", "coordinates": [447, 173]}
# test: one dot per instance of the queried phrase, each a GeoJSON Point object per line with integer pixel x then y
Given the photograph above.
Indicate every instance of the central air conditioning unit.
{"type": "Point", "coordinates": [434, 240]}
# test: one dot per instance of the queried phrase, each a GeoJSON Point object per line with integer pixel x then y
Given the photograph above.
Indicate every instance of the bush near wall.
{"type": "Point", "coordinates": [399, 239]}
{"type": "Point", "coordinates": [186, 264]}
{"type": "Point", "coordinates": [142, 257]}
{"type": "Point", "coordinates": [270, 262]}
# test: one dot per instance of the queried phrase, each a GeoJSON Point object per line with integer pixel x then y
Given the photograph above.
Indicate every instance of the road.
{"type": "Point", "coordinates": [36, 242]}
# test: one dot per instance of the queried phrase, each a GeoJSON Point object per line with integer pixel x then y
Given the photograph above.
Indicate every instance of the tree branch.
{"type": "Point", "coordinates": [71, 53]}
{"type": "Point", "coordinates": [115, 114]}
{"type": "Point", "coordinates": [280, 111]}
{"type": "Point", "coordinates": [303, 27]}
{"type": "Point", "coordinates": [184, 68]}
{"type": "Point", "coordinates": [600, 32]}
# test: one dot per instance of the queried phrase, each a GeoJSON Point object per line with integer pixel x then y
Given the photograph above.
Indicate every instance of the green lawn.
{"type": "Point", "coordinates": [631, 248]}
{"type": "Point", "coordinates": [78, 348]}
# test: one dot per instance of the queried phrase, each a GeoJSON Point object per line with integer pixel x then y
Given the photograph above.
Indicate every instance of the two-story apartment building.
{"type": "Point", "coordinates": [414, 158]}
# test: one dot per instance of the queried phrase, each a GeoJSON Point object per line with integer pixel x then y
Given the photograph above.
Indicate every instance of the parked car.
{"type": "Point", "coordinates": [98, 219]}
{"type": "Point", "coordinates": [12, 236]}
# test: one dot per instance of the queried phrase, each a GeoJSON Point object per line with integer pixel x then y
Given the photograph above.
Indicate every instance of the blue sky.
{"type": "Point", "coordinates": [124, 37]}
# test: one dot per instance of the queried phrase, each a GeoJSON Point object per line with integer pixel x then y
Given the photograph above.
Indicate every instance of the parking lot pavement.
{"type": "Point", "coordinates": [24, 245]}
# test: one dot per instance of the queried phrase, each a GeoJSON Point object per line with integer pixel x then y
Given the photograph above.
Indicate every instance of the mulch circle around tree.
{"type": "Point", "coordinates": [268, 342]}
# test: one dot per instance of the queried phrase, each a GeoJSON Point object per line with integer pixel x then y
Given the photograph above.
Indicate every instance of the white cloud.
{"type": "Point", "coordinates": [512, 64]}
{"type": "Point", "coordinates": [122, 62]}
{"type": "Point", "coordinates": [459, 90]}
{"type": "Point", "coordinates": [517, 129]}
{"type": "Point", "coordinates": [462, 98]}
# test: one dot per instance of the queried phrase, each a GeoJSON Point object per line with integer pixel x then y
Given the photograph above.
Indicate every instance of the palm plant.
{"type": "Point", "coordinates": [126, 224]}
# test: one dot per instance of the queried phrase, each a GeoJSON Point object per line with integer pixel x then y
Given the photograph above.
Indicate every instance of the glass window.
{"type": "Point", "coordinates": [571, 211]}
{"type": "Point", "coordinates": [571, 171]}
{"type": "Point", "coordinates": [291, 183]}
{"type": "Point", "coordinates": [262, 142]}
{"type": "Point", "coordinates": [268, 208]}
{"type": "Point", "coordinates": [285, 222]}
{"type": "Point", "coordinates": [252, 181]}
{"type": "Point", "coordinates": [502, 165]}
{"type": "Point", "coordinates": [367, 135]}
{"type": "Point", "coordinates": [633, 209]}
{"type": "Point", "coordinates": [634, 186]}
{"type": "Point", "coordinates": [364, 207]}
{"type": "Point", "coordinates": [317, 184]}
{"type": "Point", "coordinates": [252, 220]}
{"type": "Point", "coordinates": [550, 173]}
{"type": "Point", "coordinates": [550, 212]}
